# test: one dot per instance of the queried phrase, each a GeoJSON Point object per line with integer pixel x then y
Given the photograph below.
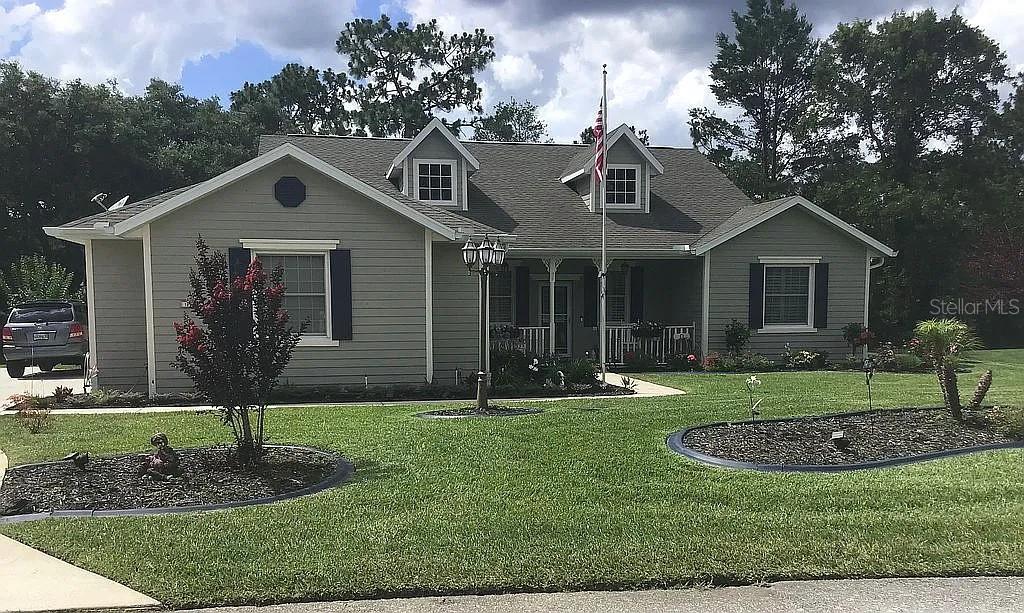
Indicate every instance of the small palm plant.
{"type": "Point", "coordinates": [942, 340]}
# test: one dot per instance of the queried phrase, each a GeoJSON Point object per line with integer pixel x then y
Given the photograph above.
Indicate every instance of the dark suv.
{"type": "Point", "coordinates": [45, 333]}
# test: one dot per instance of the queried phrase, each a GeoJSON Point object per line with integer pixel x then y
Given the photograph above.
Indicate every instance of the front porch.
{"type": "Point", "coordinates": [665, 292]}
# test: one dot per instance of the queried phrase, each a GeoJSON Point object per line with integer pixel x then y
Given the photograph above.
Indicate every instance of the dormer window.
{"type": "Point", "coordinates": [434, 180]}
{"type": "Point", "coordinates": [623, 183]}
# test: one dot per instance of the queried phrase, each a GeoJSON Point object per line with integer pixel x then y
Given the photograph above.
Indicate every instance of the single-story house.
{"type": "Point", "coordinates": [369, 231]}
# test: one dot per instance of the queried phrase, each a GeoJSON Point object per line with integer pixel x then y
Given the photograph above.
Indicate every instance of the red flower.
{"type": "Point", "coordinates": [691, 358]}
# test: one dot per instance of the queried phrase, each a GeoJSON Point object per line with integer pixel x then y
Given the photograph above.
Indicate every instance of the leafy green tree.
{"type": "Point", "coordinates": [911, 81]}
{"type": "Point", "coordinates": [405, 76]}
{"type": "Point", "coordinates": [63, 142]}
{"type": "Point", "coordinates": [766, 74]}
{"type": "Point", "coordinates": [511, 121]}
{"type": "Point", "coordinates": [297, 100]}
{"type": "Point", "coordinates": [942, 341]}
{"type": "Point", "coordinates": [33, 277]}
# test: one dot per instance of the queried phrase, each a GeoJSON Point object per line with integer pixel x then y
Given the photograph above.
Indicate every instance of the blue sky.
{"type": "Point", "coordinates": [548, 52]}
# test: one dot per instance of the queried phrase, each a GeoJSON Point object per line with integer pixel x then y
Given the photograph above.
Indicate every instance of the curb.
{"type": "Point", "coordinates": [674, 441]}
{"type": "Point", "coordinates": [343, 470]}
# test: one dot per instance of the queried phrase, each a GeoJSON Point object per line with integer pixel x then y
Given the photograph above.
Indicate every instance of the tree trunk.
{"type": "Point", "coordinates": [952, 393]}
{"type": "Point", "coordinates": [246, 444]}
{"type": "Point", "coordinates": [984, 383]}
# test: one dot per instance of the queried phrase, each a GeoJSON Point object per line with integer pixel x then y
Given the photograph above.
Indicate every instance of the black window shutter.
{"type": "Point", "coordinates": [522, 296]}
{"type": "Point", "coordinates": [636, 294]}
{"type": "Point", "coordinates": [341, 294]}
{"type": "Point", "coordinates": [755, 300]}
{"type": "Point", "coordinates": [591, 296]}
{"type": "Point", "coordinates": [821, 295]}
{"type": "Point", "coordinates": [238, 261]}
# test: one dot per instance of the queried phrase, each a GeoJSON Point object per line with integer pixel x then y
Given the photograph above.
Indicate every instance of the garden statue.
{"type": "Point", "coordinates": [164, 462]}
{"type": "Point", "coordinates": [79, 459]}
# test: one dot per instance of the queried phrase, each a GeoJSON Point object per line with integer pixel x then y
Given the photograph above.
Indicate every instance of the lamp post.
{"type": "Point", "coordinates": [480, 258]}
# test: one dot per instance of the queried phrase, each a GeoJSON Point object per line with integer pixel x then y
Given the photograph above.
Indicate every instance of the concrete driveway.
{"type": "Point", "coordinates": [38, 382]}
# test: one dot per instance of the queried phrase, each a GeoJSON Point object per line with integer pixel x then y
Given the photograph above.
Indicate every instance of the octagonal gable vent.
{"type": "Point", "coordinates": [289, 191]}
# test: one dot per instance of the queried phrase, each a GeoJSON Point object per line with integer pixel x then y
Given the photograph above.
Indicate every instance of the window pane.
{"type": "Point", "coordinates": [786, 294]}
{"type": "Point", "coordinates": [501, 298]}
{"type": "Point", "coordinates": [616, 296]}
{"type": "Point", "coordinates": [621, 186]}
{"type": "Point", "coordinates": [305, 289]}
{"type": "Point", "coordinates": [435, 182]}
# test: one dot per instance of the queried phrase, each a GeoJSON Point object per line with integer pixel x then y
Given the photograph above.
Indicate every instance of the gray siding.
{"type": "Point", "coordinates": [388, 273]}
{"type": "Point", "coordinates": [456, 296]}
{"type": "Point", "coordinates": [623, 152]}
{"type": "Point", "coordinates": [119, 325]}
{"type": "Point", "coordinates": [435, 147]}
{"type": "Point", "coordinates": [793, 233]}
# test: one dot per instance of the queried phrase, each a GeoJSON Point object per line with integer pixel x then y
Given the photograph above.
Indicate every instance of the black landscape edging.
{"type": "Point", "coordinates": [519, 413]}
{"type": "Point", "coordinates": [675, 443]}
{"type": "Point", "coordinates": [343, 469]}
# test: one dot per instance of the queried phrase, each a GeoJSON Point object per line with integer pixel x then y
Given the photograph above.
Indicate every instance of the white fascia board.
{"type": "Point", "coordinates": [616, 134]}
{"type": "Point", "coordinates": [435, 124]}
{"type": "Point", "coordinates": [286, 150]}
{"type": "Point", "coordinates": [80, 235]}
{"type": "Point", "coordinates": [784, 205]}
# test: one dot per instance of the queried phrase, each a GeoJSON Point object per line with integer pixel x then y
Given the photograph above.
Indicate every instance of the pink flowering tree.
{"type": "Point", "coordinates": [236, 343]}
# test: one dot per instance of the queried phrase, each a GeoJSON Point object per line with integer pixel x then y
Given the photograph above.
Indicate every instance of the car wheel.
{"type": "Point", "coordinates": [46, 366]}
{"type": "Point", "coordinates": [15, 370]}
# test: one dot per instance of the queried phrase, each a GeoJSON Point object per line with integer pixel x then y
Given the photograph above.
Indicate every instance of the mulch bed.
{"type": "Point", "coordinates": [492, 411]}
{"type": "Point", "coordinates": [874, 436]}
{"type": "Point", "coordinates": [209, 477]}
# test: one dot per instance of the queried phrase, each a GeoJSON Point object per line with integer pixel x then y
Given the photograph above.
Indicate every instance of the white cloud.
{"type": "Point", "coordinates": [1003, 21]}
{"type": "Point", "coordinates": [133, 40]}
{"type": "Point", "coordinates": [516, 71]}
{"type": "Point", "coordinates": [14, 24]}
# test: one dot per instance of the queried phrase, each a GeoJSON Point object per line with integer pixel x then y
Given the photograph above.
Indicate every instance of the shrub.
{"type": "Point", "coordinates": [683, 361]}
{"type": "Point", "coordinates": [639, 362]}
{"type": "Point", "coordinates": [33, 277]}
{"type": "Point", "coordinates": [239, 344]}
{"type": "Point", "coordinates": [737, 362]}
{"type": "Point", "coordinates": [943, 340]}
{"type": "Point", "coordinates": [803, 359]}
{"type": "Point", "coordinates": [34, 419]}
{"type": "Point", "coordinates": [889, 359]}
{"type": "Point", "coordinates": [1008, 421]}
{"type": "Point", "coordinates": [579, 372]}
{"type": "Point", "coordinates": [736, 336]}
{"type": "Point", "coordinates": [508, 367]}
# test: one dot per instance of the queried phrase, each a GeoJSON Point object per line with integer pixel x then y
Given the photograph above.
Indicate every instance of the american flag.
{"type": "Point", "coordinates": [599, 144]}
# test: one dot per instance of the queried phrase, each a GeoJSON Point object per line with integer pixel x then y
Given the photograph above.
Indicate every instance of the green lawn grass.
{"type": "Point", "coordinates": [585, 495]}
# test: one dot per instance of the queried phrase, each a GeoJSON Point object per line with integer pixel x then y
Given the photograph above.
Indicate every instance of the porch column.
{"type": "Point", "coordinates": [552, 265]}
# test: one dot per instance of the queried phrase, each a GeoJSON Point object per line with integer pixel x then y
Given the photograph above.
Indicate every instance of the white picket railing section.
{"type": "Point", "coordinates": [672, 340]}
{"type": "Point", "coordinates": [532, 341]}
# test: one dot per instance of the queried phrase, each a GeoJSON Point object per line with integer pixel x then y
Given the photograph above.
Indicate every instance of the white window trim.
{"type": "Point", "coordinates": [303, 247]}
{"type": "Point", "coordinates": [638, 205]}
{"type": "Point", "coordinates": [807, 263]}
{"type": "Point", "coordinates": [456, 180]}
{"type": "Point", "coordinates": [789, 259]}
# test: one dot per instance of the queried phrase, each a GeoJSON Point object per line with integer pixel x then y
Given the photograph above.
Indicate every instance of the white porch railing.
{"type": "Point", "coordinates": [672, 340]}
{"type": "Point", "coordinates": [533, 340]}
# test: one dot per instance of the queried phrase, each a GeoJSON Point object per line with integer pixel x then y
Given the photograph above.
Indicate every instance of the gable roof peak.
{"type": "Point", "coordinates": [434, 125]}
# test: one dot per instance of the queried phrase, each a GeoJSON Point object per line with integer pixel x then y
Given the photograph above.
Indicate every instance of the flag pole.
{"type": "Point", "coordinates": [604, 254]}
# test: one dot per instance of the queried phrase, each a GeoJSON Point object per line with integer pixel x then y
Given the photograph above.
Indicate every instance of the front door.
{"type": "Point", "coordinates": [563, 302]}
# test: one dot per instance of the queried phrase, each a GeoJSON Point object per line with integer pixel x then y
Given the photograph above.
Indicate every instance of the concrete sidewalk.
{"type": "Point", "coordinates": [30, 580]}
{"type": "Point", "coordinates": [975, 595]}
{"type": "Point", "coordinates": [644, 389]}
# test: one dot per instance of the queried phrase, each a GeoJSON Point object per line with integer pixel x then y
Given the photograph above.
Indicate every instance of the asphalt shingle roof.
{"type": "Point", "coordinates": [127, 211]}
{"type": "Point", "coordinates": [742, 216]}
{"type": "Point", "coordinates": [518, 191]}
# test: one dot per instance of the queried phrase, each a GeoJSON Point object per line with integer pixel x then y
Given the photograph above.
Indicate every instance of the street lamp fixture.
{"type": "Point", "coordinates": [481, 258]}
